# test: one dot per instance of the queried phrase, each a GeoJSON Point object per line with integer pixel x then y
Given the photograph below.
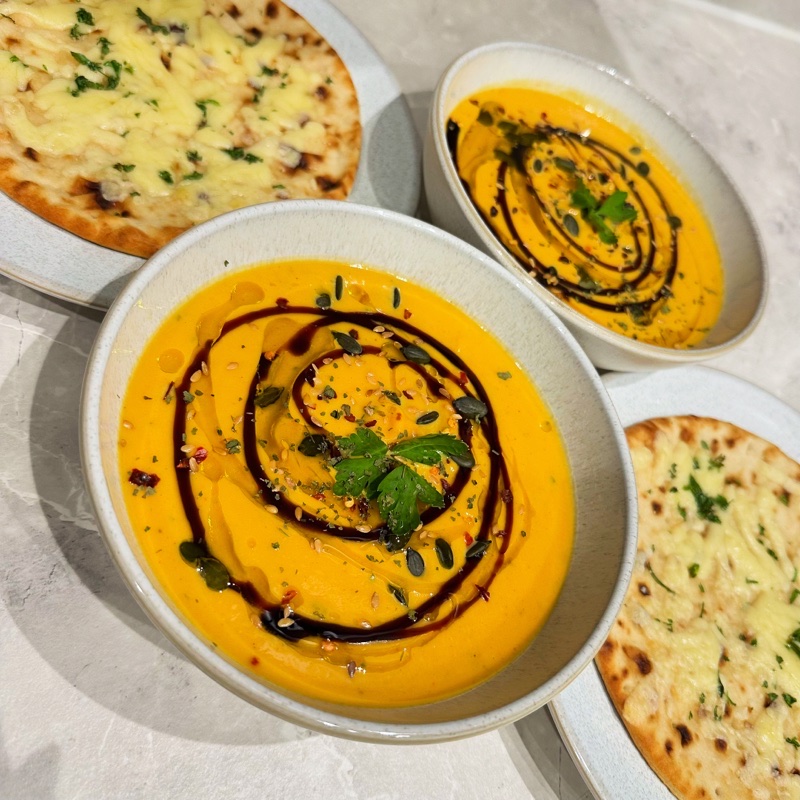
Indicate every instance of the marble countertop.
{"type": "Point", "coordinates": [94, 702]}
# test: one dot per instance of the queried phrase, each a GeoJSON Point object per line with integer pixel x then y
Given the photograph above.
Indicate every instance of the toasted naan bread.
{"type": "Point", "coordinates": [703, 664]}
{"type": "Point", "coordinates": [127, 122]}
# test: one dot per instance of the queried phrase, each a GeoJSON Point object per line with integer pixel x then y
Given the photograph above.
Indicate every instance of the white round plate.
{"type": "Point", "coordinates": [584, 714]}
{"type": "Point", "coordinates": [59, 263]}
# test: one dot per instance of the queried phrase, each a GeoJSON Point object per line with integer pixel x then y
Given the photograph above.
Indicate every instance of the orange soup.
{"type": "Point", "coordinates": [345, 484]}
{"type": "Point", "coordinates": [590, 212]}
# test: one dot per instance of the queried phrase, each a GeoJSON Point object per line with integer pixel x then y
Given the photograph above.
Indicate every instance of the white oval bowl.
{"type": "Point", "coordinates": [605, 538]}
{"type": "Point", "coordinates": [741, 251]}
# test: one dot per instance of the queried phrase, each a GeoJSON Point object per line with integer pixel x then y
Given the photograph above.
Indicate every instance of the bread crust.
{"type": "Point", "coordinates": [71, 190]}
{"type": "Point", "coordinates": [688, 620]}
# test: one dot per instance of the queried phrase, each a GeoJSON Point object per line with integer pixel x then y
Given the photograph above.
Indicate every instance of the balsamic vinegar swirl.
{"type": "Point", "coordinates": [589, 213]}
{"type": "Point", "coordinates": [430, 616]}
{"type": "Point", "coordinates": [627, 297]}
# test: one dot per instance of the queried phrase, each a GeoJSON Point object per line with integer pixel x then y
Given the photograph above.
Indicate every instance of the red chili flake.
{"type": "Point", "coordinates": [350, 417]}
{"type": "Point", "coordinates": [354, 333]}
{"type": "Point", "coordinates": [201, 454]}
{"type": "Point", "coordinates": [351, 668]}
{"type": "Point", "coordinates": [282, 302]}
{"type": "Point", "coordinates": [288, 597]}
{"type": "Point", "coordinates": [483, 592]}
{"type": "Point", "coordinates": [139, 478]}
{"type": "Point", "coordinates": [506, 496]}
{"type": "Point", "coordinates": [406, 314]}
{"type": "Point", "coordinates": [371, 424]}
{"type": "Point", "coordinates": [363, 507]}
{"type": "Point", "coordinates": [318, 496]}
{"type": "Point", "coordinates": [254, 661]}
{"type": "Point", "coordinates": [182, 464]}
{"type": "Point", "coordinates": [463, 379]}
{"type": "Point", "coordinates": [468, 539]}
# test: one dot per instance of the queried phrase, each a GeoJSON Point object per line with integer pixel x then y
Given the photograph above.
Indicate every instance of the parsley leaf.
{"type": "Point", "coordinates": [364, 464]}
{"type": "Point", "coordinates": [148, 21]}
{"type": "Point", "coordinates": [398, 496]}
{"type": "Point", "coordinates": [430, 449]}
{"type": "Point", "coordinates": [614, 208]}
{"type": "Point", "coordinates": [362, 443]}
{"type": "Point", "coordinates": [705, 504]}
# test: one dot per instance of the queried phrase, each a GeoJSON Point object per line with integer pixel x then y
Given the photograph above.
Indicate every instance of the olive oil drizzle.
{"type": "Point", "coordinates": [629, 297]}
{"type": "Point", "coordinates": [429, 616]}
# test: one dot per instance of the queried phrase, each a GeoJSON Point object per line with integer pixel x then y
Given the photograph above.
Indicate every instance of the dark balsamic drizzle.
{"type": "Point", "coordinates": [616, 300]}
{"type": "Point", "coordinates": [426, 618]}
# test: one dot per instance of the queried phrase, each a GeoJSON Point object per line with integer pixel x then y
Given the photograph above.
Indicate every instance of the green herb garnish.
{"type": "Point", "coordinates": [614, 209]}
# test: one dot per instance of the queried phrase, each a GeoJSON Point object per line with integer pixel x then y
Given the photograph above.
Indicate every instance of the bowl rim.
{"type": "Point", "coordinates": [188, 642]}
{"type": "Point", "coordinates": [632, 347]}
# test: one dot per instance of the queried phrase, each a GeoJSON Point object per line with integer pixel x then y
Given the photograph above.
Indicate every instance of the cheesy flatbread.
{"type": "Point", "coordinates": [703, 664]}
{"type": "Point", "coordinates": [127, 122]}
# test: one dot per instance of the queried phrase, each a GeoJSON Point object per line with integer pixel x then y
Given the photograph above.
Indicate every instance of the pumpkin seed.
{"type": "Point", "coordinates": [324, 300]}
{"type": "Point", "coordinates": [314, 444]}
{"type": "Point", "coordinates": [348, 343]}
{"type": "Point", "coordinates": [396, 298]}
{"type": "Point", "coordinates": [192, 551]}
{"type": "Point", "coordinates": [414, 562]}
{"type": "Point", "coordinates": [571, 224]}
{"type": "Point", "coordinates": [564, 164]}
{"type": "Point", "coordinates": [643, 168]}
{"type": "Point", "coordinates": [426, 419]}
{"type": "Point", "coordinates": [470, 407]}
{"type": "Point", "coordinates": [444, 553]}
{"type": "Point", "coordinates": [398, 594]}
{"type": "Point", "coordinates": [393, 396]}
{"type": "Point", "coordinates": [416, 354]}
{"type": "Point", "coordinates": [339, 287]}
{"type": "Point", "coordinates": [267, 396]}
{"type": "Point", "coordinates": [478, 548]}
{"type": "Point", "coordinates": [214, 574]}
{"type": "Point", "coordinates": [467, 461]}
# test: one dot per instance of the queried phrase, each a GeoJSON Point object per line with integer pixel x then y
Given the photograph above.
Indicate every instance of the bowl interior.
{"type": "Point", "coordinates": [605, 536]}
{"type": "Point", "coordinates": [609, 96]}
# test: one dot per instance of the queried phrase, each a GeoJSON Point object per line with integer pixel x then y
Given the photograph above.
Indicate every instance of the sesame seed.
{"type": "Point", "coordinates": [126, 424]}
{"type": "Point", "coordinates": [204, 367]}
{"type": "Point", "coordinates": [349, 502]}
{"type": "Point", "coordinates": [444, 393]}
{"type": "Point", "coordinates": [387, 334]}
{"type": "Point", "coordinates": [284, 454]}
{"type": "Point", "coordinates": [190, 414]}
{"type": "Point", "coordinates": [369, 410]}
{"type": "Point", "coordinates": [193, 464]}
{"type": "Point", "coordinates": [233, 365]}
{"type": "Point", "coordinates": [347, 358]}
{"type": "Point", "coordinates": [188, 448]}
{"type": "Point", "coordinates": [272, 509]}
{"type": "Point", "coordinates": [379, 329]}
{"type": "Point", "coordinates": [238, 420]}
{"type": "Point", "coordinates": [298, 513]}
{"type": "Point", "coordinates": [327, 646]}
{"type": "Point", "coordinates": [316, 421]}
{"type": "Point", "coordinates": [287, 611]}
{"type": "Point", "coordinates": [285, 622]}
{"type": "Point", "coordinates": [327, 360]}
{"type": "Point", "coordinates": [317, 545]}
{"type": "Point", "coordinates": [365, 624]}
{"type": "Point", "coordinates": [363, 528]}
{"type": "Point", "coordinates": [196, 375]}
{"type": "Point", "coordinates": [371, 379]}
{"type": "Point", "coordinates": [375, 600]}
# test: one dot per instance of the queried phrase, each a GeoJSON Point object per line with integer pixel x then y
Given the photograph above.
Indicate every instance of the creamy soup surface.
{"type": "Point", "coordinates": [345, 484]}
{"type": "Point", "coordinates": [590, 211]}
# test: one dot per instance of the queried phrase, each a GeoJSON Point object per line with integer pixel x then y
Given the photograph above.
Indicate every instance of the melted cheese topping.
{"type": "Point", "coordinates": [716, 595]}
{"type": "Point", "coordinates": [190, 106]}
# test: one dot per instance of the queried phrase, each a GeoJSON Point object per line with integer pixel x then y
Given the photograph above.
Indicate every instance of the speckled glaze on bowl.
{"type": "Point", "coordinates": [743, 260]}
{"type": "Point", "coordinates": [605, 540]}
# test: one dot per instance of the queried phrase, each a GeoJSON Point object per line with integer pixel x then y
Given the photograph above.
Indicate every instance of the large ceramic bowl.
{"type": "Point", "coordinates": [610, 95]}
{"type": "Point", "coordinates": [605, 537]}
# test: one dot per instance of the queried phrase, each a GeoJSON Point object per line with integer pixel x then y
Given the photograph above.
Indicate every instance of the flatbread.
{"type": "Point", "coordinates": [128, 122]}
{"type": "Point", "coordinates": [703, 664]}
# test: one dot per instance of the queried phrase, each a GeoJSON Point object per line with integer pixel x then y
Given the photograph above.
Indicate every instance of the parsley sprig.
{"type": "Point", "coordinates": [372, 468]}
{"type": "Point", "coordinates": [614, 209]}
